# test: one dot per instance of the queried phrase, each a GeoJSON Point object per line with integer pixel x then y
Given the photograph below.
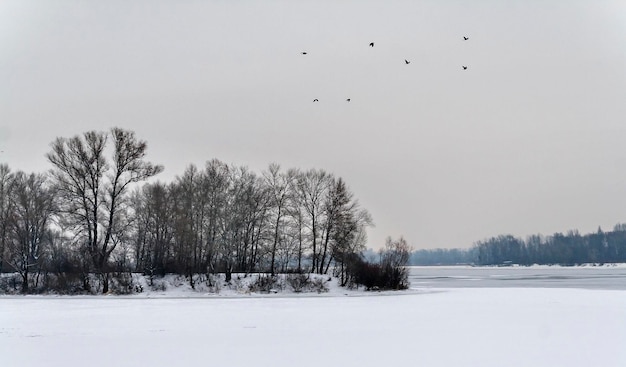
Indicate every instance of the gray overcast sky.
{"type": "Point", "coordinates": [529, 139]}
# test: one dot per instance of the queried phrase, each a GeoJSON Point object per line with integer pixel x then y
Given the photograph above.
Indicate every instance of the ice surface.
{"type": "Point", "coordinates": [451, 327]}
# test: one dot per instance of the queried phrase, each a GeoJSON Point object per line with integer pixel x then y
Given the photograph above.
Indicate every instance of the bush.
{"type": "Point", "coordinates": [303, 283]}
{"type": "Point", "coordinates": [213, 283]}
{"type": "Point", "coordinates": [266, 284]}
{"type": "Point", "coordinates": [158, 285]}
{"type": "Point", "coordinates": [367, 274]}
{"type": "Point", "coordinates": [318, 285]}
{"type": "Point", "coordinates": [379, 277]}
{"type": "Point", "coordinates": [298, 282]}
{"type": "Point", "coordinates": [68, 283]}
{"type": "Point", "coordinates": [390, 273]}
{"type": "Point", "coordinates": [9, 283]}
{"type": "Point", "coordinates": [121, 283]}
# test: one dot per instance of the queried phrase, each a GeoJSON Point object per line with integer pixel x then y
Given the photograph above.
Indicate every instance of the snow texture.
{"type": "Point", "coordinates": [428, 327]}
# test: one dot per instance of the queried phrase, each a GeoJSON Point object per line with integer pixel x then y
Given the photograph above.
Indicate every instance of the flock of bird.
{"type": "Point", "coordinates": [406, 62]}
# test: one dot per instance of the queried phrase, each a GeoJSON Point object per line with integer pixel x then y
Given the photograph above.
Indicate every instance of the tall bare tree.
{"type": "Point", "coordinates": [336, 206]}
{"type": "Point", "coordinates": [246, 215]}
{"type": "Point", "coordinates": [187, 220]}
{"type": "Point", "coordinates": [153, 231]}
{"type": "Point", "coordinates": [34, 206]}
{"type": "Point", "coordinates": [94, 187]}
{"type": "Point", "coordinates": [279, 186]}
{"type": "Point", "coordinates": [6, 209]}
{"type": "Point", "coordinates": [312, 186]}
{"type": "Point", "coordinates": [345, 224]}
{"type": "Point", "coordinates": [214, 192]}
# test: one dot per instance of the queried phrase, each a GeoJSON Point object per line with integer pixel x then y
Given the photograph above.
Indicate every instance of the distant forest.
{"type": "Point", "coordinates": [96, 216]}
{"type": "Point", "coordinates": [563, 249]}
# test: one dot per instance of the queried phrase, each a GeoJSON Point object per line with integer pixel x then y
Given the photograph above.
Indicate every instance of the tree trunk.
{"type": "Point", "coordinates": [314, 230]}
{"type": "Point", "coordinates": [330, 260]}
{"type": "Point", "coordinates": [105, 283]}
{"type": "Point", "coordinates": [300, 251]}
{"type": "Point", "coordinates": [25, 281]}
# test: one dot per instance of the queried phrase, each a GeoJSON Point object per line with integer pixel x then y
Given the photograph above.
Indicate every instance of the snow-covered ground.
{"type": "Point", "coordinates": [428, 327]}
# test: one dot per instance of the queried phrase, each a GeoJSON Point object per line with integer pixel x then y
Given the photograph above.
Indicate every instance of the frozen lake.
{"type": "Point", "coordinates": [587, 277]}
{"type": "Point", "coordinates": [518, 317]}
{"type": "Point", "coordinates": [455, 327]}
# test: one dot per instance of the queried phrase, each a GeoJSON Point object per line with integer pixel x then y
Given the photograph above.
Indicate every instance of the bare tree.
{"type": "Point", "coordinates": [311, 188]}
{"type": "Point", "coordinates": [394, 259]}
{"type": "Point", "coordinates": [233, 212]}
{"type": "Point", "coordinates": [337, 207]}
{"type": "Point", "coordinates": [152, 209]}
{"type": "Point", "coordinates": [33, 203]}
{"type": "Point", "coordinates": [279, 185]}
{"type": "Point", "coordinates": [247, 213]}
{"type": "Point", "coordinates": [294, 239]}
{"type": "Point", "coordinates": [296, 224]}
{"type": "Point", "coordinates": [6, 209]}
{"type": "Point", "coordinates": [214, 198]}
{"type": "Point", "coordinates": [188, 215]}
{"type": "Point", "coordinates": [94, 188]}
{"type": "Point", "coordinates": [347, 224]}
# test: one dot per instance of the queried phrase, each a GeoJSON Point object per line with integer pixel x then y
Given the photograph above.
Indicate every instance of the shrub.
{"type": "Point", "coordinates": [213, 283]}
{"type": "Point", "coordinates": [390, 273]}
{"type": "Point", "coordinates": [9, 283]}
{"type": "Point", "coordinates": [367, 274]}
{"type": "Point", "coordinates": [318, 285]}
{"type": "Point", "coordinates": [298, 282]}
{"type": "Point", "coordinates": [266, 284]}
{"type": "Point", "coordinates": [157, 284]}
{"type": "Point", "coordinates": [121, 283]}
{"type": "Point", "coordinates": [68, 283]}
{"type": "Point", "coordinates": [304, 283]}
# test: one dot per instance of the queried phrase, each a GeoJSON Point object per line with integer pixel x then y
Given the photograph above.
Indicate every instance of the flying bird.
{"type": "Point", "coordinates": [465, 38]}
{"type": "Point", "coordinates": [303, 52]}
{"type": "Point", "coordinates": [406, 61]}
{"type": "Point", "coordinates": [371, 44]}
{"type": "Point", "coordinates": [464, 67]}
{"type": "Point", "coordinates": [348, 100]}
{"type": "Point", "coordinates": [316, 100]}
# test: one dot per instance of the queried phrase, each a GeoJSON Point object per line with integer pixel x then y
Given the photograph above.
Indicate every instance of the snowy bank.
{"type": "Point", "coordinates": [215, 286]}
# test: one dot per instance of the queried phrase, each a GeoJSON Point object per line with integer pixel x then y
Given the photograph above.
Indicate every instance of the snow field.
{"type": "Point", "coordinates": [455, 327]}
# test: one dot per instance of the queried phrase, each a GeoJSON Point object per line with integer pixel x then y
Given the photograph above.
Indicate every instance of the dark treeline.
{"type": "Point", "coordinates": [565, 249]}
{"type": "Point", "coordinates": [562, 249]}
{"type": "Point", "coordinates": [94, 216]}
{"type": "Point", "coordinates": [439, 256]}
